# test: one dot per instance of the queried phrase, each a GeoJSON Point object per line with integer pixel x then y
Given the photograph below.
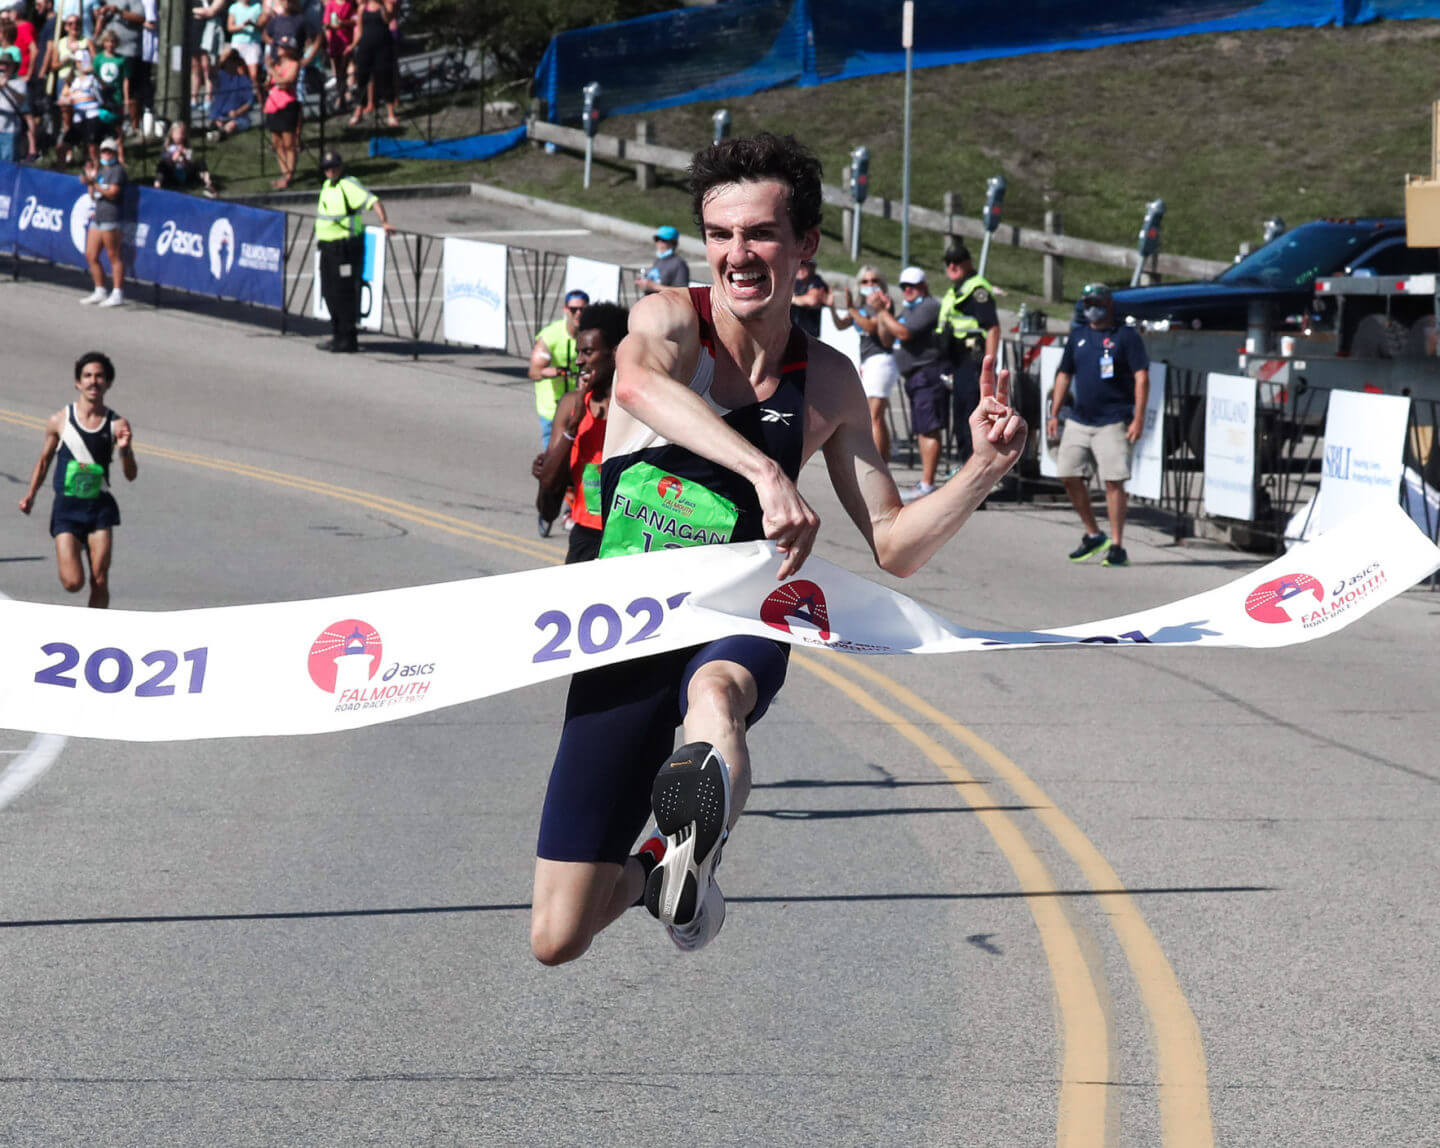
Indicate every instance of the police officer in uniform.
{"type": "Point", "coordinates": [340, 237]}
{"type": "Point", "coordinates": [969, 329]}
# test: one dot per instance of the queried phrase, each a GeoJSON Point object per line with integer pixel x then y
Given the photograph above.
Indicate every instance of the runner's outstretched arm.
{"type": "Point", "coordinates": [662, 348]}
{"type": "Point", "coordinates": [904, 538]}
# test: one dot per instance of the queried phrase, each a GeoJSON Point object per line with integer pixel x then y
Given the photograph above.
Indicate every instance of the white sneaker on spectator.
{"type": "Point", "coordinates": [95, 296]}
{"type": "Point", "coordinates": [116, 298]}
{"type": "Point", "coordinates": [919, 490]}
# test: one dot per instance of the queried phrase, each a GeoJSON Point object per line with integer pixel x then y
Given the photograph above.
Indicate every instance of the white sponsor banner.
{"type": "Point", "coordinates": [475, 279]}
{"type": "Point", "coordinates": [600, 281]}
{"type": "Point", "coordinates": [1049, 452]}
{"type": "Point", "coordinates": [1230, 446]}
{"type": "Point", "coordinates": [1147, 458]}
{"type": "Point", "coordinates": [1364, 455]}
{"type": "Point", "coordinates": [847, 342]}
{"type": "Point", "coordinates": [372, 288]}
{"type": "Point", "coordinates": [341, 663]}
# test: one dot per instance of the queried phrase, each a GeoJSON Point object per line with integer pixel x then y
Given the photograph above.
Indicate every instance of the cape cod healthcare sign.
{"type": "Point", "coordinates": [221, 250]}
{"type": "Point", "coordinates": [475, 275]}
{"type": "Point", "coordinates": [1230, 446]}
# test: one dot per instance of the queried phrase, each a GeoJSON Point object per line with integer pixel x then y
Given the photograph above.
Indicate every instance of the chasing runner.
{"type": "Point", "coordinates": [86, 435]}
{"type": "Point", "coordinates": [718, 403]}
{"type": "Point", "coordinates": [577, 444]}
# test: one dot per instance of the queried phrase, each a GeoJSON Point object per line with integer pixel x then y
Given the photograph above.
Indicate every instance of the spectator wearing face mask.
{"type": "Point", "coordinates": [1107, 364]}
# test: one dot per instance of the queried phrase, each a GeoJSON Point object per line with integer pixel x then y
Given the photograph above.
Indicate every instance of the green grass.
{"type": "Point", "coordinates": [1227, 129]}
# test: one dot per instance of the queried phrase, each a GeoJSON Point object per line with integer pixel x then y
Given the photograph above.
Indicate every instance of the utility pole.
{"type": "Point", "coordinates": [907, 41]}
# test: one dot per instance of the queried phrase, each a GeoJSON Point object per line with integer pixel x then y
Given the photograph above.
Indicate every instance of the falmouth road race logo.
{"type": "Point", "coordinates": [1269, 602]}
{"type": "Point", "coordinates": [347, 655]}
{"type": "Point", "coordinates": [669, 488]}
{"type": "Point", "coordinates": [798, 601]}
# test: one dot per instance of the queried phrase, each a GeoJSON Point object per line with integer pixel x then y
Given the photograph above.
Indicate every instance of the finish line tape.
{"type": "Point", "coordinates": [341, 663]}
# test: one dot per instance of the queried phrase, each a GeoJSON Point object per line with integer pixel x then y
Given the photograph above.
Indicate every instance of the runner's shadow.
{"type": "Point", "coordinates": [843, 814]}
{"type": "Point", "coordinates": [524, 906]}
{"type": "Point", "coordinates": [883, 783]}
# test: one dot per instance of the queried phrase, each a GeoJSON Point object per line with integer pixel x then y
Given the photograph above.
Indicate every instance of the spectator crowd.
{"type": "Point", "coordinates": [76, 72]}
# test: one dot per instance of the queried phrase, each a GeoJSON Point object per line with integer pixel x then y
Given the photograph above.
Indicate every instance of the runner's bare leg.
{"type": "Point", "coordinates": [720, 697]}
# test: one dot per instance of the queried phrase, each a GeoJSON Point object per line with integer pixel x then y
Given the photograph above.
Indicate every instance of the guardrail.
{"type": "Point", "coordinates": [648, 155]}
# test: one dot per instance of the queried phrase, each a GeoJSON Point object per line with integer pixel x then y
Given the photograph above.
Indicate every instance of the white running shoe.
{"type": "Point", "coordinates": [116, 298]}
{"type": "Point", "coordinates": [919, 490]}
{"type": "Point", "coordinates": [706, 924]}
{"type": "Point", "coordinates": [95, 296]}
{"type": "Point", "coordinates": [691, 799]}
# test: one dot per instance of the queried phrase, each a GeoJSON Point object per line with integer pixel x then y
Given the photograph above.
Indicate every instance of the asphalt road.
{"type": "Point", "coordinates": [1129, 897]}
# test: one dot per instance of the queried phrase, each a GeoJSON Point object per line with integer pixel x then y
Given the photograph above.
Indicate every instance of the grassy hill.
{"type": "Point", "coordinates": [1227, 129]}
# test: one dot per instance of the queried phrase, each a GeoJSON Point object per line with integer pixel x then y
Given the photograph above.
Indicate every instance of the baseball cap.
{"type": "Point", "coordinates": [576, 293]}
{"type": "Point", "coordinates": [911, 276]}
{"type": "Point", "coordinates": [109, 144]}
{"type": "Point", "coordinates": [957, 254]}
{"type": "Point", "coordinates": [667, 233]}
{"type": "Point", "coordinates": [331, 159]}
{"type": "Point", "coordinates": [1099, 292]}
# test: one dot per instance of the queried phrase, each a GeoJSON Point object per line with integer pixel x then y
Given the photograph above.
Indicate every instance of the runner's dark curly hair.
{"type": "Point", "coordinates": [610, 319]}
{"type": "Point", "coordinates": [760, 157]}
{"type": "Point", "coordinates": [100, 357]}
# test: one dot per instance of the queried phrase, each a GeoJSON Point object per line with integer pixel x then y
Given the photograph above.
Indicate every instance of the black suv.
{"type": "Point", "coordinates": [1275, 286]}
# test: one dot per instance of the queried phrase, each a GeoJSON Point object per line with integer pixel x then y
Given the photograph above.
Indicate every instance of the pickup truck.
{"type": "Point", "coordinates": [1273, 290]}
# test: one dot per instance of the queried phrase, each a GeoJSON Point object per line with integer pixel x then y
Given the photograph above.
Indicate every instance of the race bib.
{"type": "Point", "coordinates": [590, 487]}
{"type": "Point", "coordinates": [654, 510]}
{"type": "Point", "coordinates": [83, 479]}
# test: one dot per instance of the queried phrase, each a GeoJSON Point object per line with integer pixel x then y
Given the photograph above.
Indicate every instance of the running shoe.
{"type": "Point", "coordinates": [702, 930]}
{"type": "Point", "coordinates": [95, 296]}
{"type": "Point", "coordinates": [691, 799]}
{"type": "Point", "coordinates": [1090, 545]}
{"type": "Point", "coordinates": [116, 298]}
{"type": "Point", "coordinates": [1116, 556]}
{"type": "Point", "coordinates": [919, 490]}
{"type": "Point", "coordinates": [542, 525]}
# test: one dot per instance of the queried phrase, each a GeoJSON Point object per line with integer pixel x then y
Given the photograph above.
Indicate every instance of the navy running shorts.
{"type": "Point", "coordinates": [620, 726]}
{"type": "Point", "coordinates": [584, 545]}
{"type": "Point", "coordinates": [929, 400]}
{"type": "Point", "coordinates": [80, 516]}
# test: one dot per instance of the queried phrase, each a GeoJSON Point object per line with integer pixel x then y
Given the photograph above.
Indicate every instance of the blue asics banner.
{"type": "Point", "coordinates": [200, 245]}
{"type": "Point", "coordinates": [210, 247]}
{"type": "Point", "coordinates": [52, 212]}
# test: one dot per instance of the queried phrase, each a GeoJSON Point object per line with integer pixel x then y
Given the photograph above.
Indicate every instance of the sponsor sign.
{"type": "Point", "coordinates": [341, 663]}
{"type": "Point", "coordinates": [372, 283]}
{"type": "Point", "coordinates": [1364, 455]}
{"type": "Point", "coordinates": [1147, 457]}
{"type": "Point", "coordinates": [601, 281]}
{"type": "Point", "coordinates": [210, 248]}
{"type": "Point", "coordinates": [1230, 446]}
{"type": "Point", "coordinates": [475, 281]}
{"type": "Point", "coordinates": [847, 342]}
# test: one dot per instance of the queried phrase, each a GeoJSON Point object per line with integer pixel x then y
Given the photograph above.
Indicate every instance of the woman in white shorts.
{"type": "Point", "coordinates": [878, 373]}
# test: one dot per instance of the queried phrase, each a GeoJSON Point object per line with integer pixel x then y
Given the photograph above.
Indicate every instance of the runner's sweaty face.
{"type": "Point", "coordinates": [92, 382]}
{"type": "Point", "coordinates": [752, 250]}
{"type": "Point", "coordinates": [597, 363]}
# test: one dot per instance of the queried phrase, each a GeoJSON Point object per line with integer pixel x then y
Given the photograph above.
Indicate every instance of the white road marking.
{"type": "Point", "coordinates": [32, 761]}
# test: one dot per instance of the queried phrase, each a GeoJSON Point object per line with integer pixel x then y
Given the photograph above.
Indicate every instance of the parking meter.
{"type": "Point", "coordinates": [994, 197]}
{"type": "Point", "coordinates": [591, 113]}
{"type": "Point", "coordinates": [1274, 228]}
{"type": "Point", "coordinates": [591, 119]}
{"type": "Point", "coordinates": [860, 173]}
{"type": "Point", "coordinates": [1149, 245]}
{"type": "Point", "coordinates": [721, 120]}
{"type": "Point", "coordinates": [990, 216]}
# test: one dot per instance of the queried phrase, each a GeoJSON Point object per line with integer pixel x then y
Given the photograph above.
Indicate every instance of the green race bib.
{"type": "Point", "coordinates": [654, 510]}
{"type": "Point", "coordinates": [84, 479]}
{"type": "Point", "coordinates": [590, 487]}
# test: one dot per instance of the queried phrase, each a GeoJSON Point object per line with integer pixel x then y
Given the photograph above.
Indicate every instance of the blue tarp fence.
{"type": "Point", "coordinates": [209, 247]}
{"type": "Point", "coordinates": [729, 50]}
{"type": "Point", "coordinates": [462, 148]}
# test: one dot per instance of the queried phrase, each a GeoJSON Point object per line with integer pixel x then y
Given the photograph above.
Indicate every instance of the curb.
{"type": "Point", "coordinates": [564, 213]}
{"type": "Point", "coordinates": [397, 191]}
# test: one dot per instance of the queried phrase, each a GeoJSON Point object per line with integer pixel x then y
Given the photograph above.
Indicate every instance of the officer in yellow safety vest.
{"type": "Point", "coordinates": [340, 239]}
{"type": "Point", "coordinates": [969, 329]}
{"type": "Point", "coordinates": [552, 361]}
